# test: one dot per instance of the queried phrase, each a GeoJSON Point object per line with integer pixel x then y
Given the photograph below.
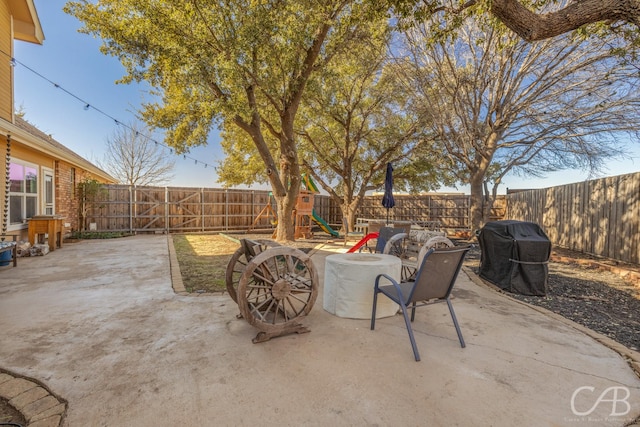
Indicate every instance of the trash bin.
{"type": "Point", "coordinates": [5, 258]}
{"type": "Point", "coordinates": [515, 256]}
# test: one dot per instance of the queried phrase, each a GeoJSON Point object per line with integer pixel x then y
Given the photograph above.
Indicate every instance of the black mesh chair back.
{"type": "Point", "coordinates": [385, 234]}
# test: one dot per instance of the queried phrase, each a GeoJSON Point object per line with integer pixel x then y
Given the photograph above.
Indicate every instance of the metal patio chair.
{"type": "Point", "coordinates": [412, 260]}
{"type": "Point", "coordinates": [354, 235]}
{"type": "Point", "coordinates": [389, 241]}
{"type": "Point", "coordinates": [433, 283]}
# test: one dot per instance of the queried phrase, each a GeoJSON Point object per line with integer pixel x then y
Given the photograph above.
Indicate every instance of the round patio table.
{"type": "Point", "coordinates": [349, 280]}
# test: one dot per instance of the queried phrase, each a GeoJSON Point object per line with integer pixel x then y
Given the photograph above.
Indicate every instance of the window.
{"type": "Point", "coordinates": [73, 182]}
{"type": "Point", "coordinates": [23, 192]}
{"type": "Point", "coordinates": [48, 192]}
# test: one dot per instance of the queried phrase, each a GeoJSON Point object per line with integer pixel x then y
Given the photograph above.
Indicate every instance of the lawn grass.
{"type": "Point", "coordinates": [203, 260]}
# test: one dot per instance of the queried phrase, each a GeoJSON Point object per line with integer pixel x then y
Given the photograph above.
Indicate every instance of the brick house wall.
{"type": "Point", "coordinates": [67, 178]}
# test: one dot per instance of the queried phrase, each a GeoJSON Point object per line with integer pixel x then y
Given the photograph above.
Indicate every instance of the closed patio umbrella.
{"type": "Point", "coordinates": [387, 199]}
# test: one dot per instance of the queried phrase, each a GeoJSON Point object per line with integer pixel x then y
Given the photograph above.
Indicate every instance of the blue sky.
{"type": "Point", "coordinates": [74, 62]}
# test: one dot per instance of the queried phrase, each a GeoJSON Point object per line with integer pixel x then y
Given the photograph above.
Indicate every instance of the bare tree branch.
{"type": "Point", "coordinates": [134, 159]}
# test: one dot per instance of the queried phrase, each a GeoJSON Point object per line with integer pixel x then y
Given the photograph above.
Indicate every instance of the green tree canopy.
{"type": "Point", "coordinates": [243, 63]}
{"type": "Point", "coordinates": [355, 120]}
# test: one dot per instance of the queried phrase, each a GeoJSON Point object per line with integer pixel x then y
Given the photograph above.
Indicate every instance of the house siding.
{"type": "Point", "coordinates": [19, 151]}
{"type": "Point", "coordinates": [6, 70]}
{"type": "Point", "coordinates": [66, 203]}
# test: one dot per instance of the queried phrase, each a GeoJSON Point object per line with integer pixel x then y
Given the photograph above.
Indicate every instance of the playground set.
{"type": "Point", "coordinates": [304, 214]}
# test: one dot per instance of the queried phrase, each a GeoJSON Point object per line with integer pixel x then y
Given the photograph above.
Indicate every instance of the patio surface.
{"type": "Point", "coordinates": [100, 325]}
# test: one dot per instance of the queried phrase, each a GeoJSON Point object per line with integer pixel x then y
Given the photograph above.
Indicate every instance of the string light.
{"type": "Point", "coordinates": [87, 106]}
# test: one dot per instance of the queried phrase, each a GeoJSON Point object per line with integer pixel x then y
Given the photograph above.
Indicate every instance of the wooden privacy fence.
{"type": "Point", "coordinates": [451, 210]}
{"type": "Point", "coordinates": [185, 209]}
{"type": "Point", "coordinates": [599, 217]}
{"type": "Point", "coordinates": [175, 209]}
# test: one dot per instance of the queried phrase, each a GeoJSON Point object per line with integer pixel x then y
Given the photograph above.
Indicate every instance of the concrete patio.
{"type": "Point", "coordinates": [100, 325]}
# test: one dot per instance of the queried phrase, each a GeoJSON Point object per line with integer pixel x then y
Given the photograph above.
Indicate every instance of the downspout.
{"type": "Point", "coordinates": [5, 214]}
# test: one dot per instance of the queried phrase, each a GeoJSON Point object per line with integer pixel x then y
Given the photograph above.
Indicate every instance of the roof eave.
{"type": "Point", "coordinates": [33, 142]}
{"type": "Point", "coordinates": [26, 24]}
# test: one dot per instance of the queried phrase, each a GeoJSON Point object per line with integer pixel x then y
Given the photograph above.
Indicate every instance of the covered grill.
{"type": "Point", "coordinates": [515, 256]}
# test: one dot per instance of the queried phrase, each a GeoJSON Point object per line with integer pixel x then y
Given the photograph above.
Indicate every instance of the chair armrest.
{"type": "Point", "coordinates": [386, 276]}
{"type": "Point", "coordinates": [395, 284]}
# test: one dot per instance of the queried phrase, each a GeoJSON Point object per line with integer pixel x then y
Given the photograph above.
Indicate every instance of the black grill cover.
{"type": "Point", "coordinates": [515, 256]}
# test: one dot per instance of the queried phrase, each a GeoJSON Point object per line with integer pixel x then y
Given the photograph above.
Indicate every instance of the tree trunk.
{"type": "Point", "coordinates": [290, 178]}
{"type": "Point", "coordinates": [349, 213]}
{"type": "Point", "coordinates": [533, 26]}
{"type": "Point", "coordinates": [489, 199]}
{"type": "Point", "coordinates": [476, 202]}
{"type": "Point", "coordinates": [285, 230]}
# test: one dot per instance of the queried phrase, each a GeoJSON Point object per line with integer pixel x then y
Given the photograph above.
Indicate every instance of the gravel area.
{"type": "Point", "coordinates": [593, 297]}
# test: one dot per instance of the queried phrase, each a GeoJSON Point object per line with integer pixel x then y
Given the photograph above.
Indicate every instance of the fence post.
{"type": "Point", "coordinates": [130, 210]}
{"type": "Point", "coordinates": [226, 209]}
{"type": "Point", "coordinates": [202, 209]}
{"type": "Point", "coordinates": [166, 209]}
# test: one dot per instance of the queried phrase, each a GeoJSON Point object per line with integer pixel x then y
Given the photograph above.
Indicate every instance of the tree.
{"type": "Point", "coordinates": [355, 120]}
{"type": "Point", "coordinates": [134, 159]}
{"type": "Point", "coordinates": [352, 121]}
{"type": "Point", "coordinates": [232, 63]}
{"type": "Point", "coordinates": [535, 21]}
{"type": "Point", "coordinates": [90, 193]}
{"type": "Point", "coordinates": [500, 105]}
